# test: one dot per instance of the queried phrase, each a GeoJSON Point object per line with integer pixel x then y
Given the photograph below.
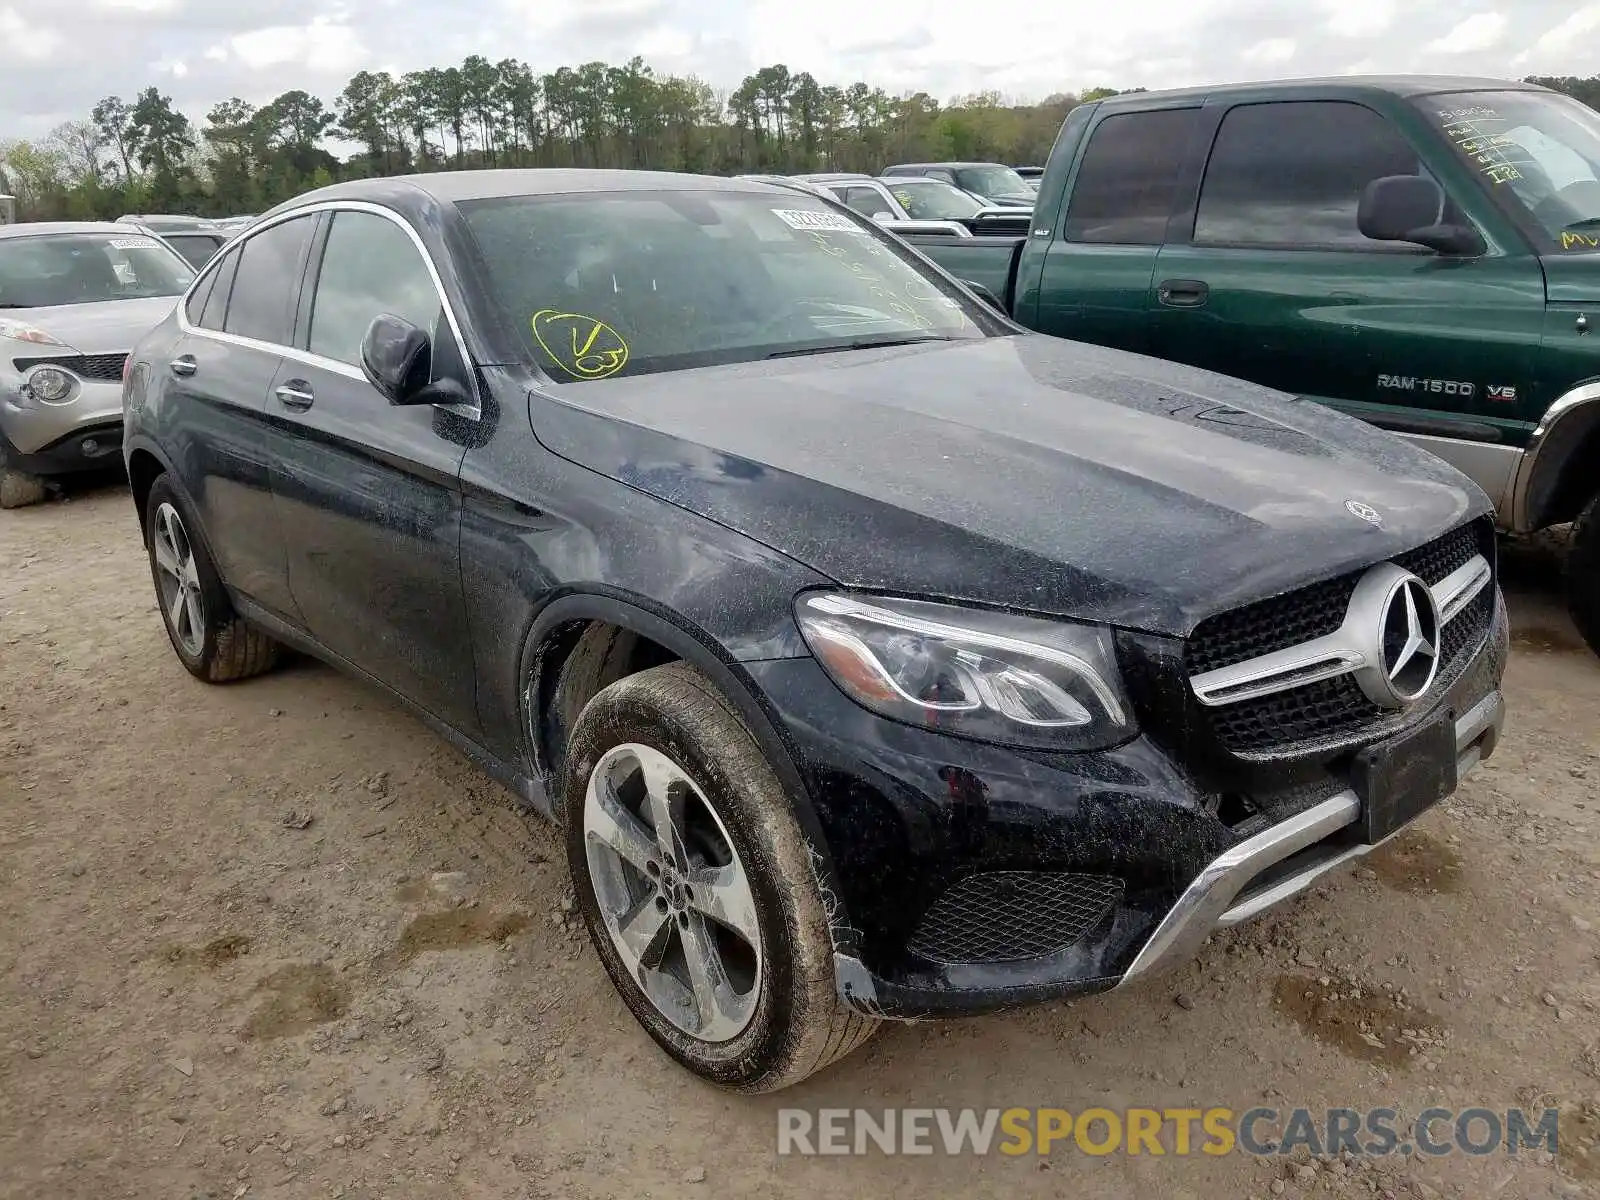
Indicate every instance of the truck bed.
{"type": "Point", "coordinates": [991, 261]}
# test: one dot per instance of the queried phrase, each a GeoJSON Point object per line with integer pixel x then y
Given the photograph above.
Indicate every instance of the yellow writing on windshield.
{"type": "Point", "coordinates": [1583, 241]}
{"type": "Point", "coordinates": [582, 346]}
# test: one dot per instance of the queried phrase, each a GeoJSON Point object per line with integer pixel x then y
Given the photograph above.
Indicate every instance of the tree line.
{"type": "Point", "coordinates": [144, 155]}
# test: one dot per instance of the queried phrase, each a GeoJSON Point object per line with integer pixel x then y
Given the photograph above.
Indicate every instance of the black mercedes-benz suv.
{"type": "Point", "coordinates": [879, 659]}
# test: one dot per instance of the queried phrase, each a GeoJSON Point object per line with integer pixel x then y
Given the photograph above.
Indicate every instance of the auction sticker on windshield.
{"type": "Point", "coordinates": [809, 220]}
{"type": "Point", "coordinates": [133, 243]}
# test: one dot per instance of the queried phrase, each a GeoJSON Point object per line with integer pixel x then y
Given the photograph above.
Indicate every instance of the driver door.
{"type": "Point", "coordinates": [1273, 282]}
{"type": "Point", "coordinates": [367, 493]}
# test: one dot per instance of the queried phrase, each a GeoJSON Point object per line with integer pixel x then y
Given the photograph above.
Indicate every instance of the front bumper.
{"type": "Point", "coordinates": [1131, 851]}
{"type": "Point", "coordinates": [1285, 860]}
{"type": "Point", "coordinates": [96, 446]}
{"type": "Point", "coordinates": [36, 428]}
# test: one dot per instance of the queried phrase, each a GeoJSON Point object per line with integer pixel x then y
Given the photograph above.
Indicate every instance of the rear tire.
{"type": "Point", "coordinates": [212, 641]}
{"type": "Point", "coordinates": [770, 1014]}
{"type": "Point", "coordinates": [18, 489]}
{"type": "Point", "coordinates": [1583, 573]}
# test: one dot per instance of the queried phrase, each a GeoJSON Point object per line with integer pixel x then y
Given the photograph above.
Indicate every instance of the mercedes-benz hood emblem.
{"type": "Point", "coordinates": [1365, 511]}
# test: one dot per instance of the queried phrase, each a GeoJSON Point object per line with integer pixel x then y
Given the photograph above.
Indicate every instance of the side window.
{"type": "Point", "coordinates": [867, 201]}
{"type": "Point", "coordinates": [1125, 187]}
{"type": "Point", "coordinates": [1291, 174]}
{"type": "Point", "coordinates": [267, 280]}
{"type": "Point", "coordinates": [216, 306]}
{"type": "Point", "coordinates": [196, 304]}
{"type": "Point", "coordinates": [370, 267]}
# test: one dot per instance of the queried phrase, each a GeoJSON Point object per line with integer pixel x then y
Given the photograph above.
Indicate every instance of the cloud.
{"type": "Point", "coordinates": [1559, 41]}
{"type": "Point", "coordinates": [1358, 18]}
{"type": "Point", "coordinates": [21, 40]}
{"type": "Point", "coordinates": [1273, 50]}
{"type": "Point", "coordinates": [323, 45]}
{"type": "Point", "coordinates": [946, 48]}
{"type": "Point", "coordinates": [1477, 32]}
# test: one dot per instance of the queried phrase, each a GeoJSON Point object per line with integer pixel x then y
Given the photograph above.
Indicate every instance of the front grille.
{"type": "Point", "coordinates": [1332, 708]}
{"type": "Point", "coordinates": [1004, 916]}
{"type": "Point", "coordinates": [104, 367]}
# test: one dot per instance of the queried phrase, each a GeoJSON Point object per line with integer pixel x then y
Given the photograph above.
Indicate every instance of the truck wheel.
{"type": "Point", "coordinates": [1583, 573]}
{"type": "Point", "coordinates": [18, 489]}
{"type": "Point", "coordinates": [697, 885]}
{"type": "Point", "coordinates": [212, 641]}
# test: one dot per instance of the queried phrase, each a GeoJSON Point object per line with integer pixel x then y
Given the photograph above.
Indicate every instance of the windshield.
{"type": "Point", "coordinates": [933, 200]}
{"type": "Point", "coordinates": [992, 180]}
{"type": "Point", "coordinates": [82, 268]}
{"type": "Point", "coordinates": [626, 283]}
{"type": "Point", "coordinates": [1537, 152]}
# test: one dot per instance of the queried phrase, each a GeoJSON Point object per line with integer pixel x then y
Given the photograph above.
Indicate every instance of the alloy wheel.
{"type": "Point", "coordinates": [673, 892]}
{"type": "Point", "coordinates": [178, 580]}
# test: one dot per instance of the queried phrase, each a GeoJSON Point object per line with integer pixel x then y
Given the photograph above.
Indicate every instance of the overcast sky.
{"type": "Point", "coordinates": [57, 57]}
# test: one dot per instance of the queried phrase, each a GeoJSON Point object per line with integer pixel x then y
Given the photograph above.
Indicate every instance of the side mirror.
{"type": "Point", "coordinates": [397, 359]}
{"type": "Point", "coordinates": [1409, 208]}
{"type": "Point", "coordinates": [883, 218]}
{"type": "Point", "coordinates": [986, 296]}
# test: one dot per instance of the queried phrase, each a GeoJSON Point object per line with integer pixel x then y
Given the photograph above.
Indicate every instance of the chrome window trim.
{"type": "Point", "coordinates": [472, 411]}
{"type": "Point", "coordinates": [1345, 651]}
{"type": "Point", "coordinates": [1564, 404]}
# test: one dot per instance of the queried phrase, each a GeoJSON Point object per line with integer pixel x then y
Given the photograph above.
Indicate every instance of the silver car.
{"type": "Point", "coordinates": [74, 298]}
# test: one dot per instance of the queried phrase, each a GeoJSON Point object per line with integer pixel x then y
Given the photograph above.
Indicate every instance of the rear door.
{"type": "Point", "coordinates": [368, 493]}
{"type": "Point", "coordinates": [1095, 284]}
{"type": "Point", "coordinates": [1274, 282]}
{"type": "Point", "coordinates": [221, 369]}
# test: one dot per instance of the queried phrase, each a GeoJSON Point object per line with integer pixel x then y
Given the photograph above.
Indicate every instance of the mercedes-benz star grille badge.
{"type": "Point", "coordinates": [1409, 647]}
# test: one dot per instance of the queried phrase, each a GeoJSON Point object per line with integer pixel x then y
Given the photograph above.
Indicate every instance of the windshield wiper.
{"type": "Point", "coordinates": [860, 344]}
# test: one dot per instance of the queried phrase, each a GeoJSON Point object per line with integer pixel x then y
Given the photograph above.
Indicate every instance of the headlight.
{"type": "Point", "coordinates": [21, 331]}
{"type": "Point", "coordinates": [50, 384]}
{"type": "Point", "coordinates": [971, 672]}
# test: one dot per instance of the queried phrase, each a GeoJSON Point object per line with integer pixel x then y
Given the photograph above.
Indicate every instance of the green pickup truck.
{"type": "Point", "coordinates": [1419, 252]}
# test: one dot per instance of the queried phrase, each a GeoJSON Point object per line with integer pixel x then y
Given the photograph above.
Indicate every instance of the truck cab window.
{"type": "Point", "coordinates": [1291, 174]}
{"type": "Point", "coordinates": [1124, 189]}
{"type": "Point", "coordinates": [867, 201]}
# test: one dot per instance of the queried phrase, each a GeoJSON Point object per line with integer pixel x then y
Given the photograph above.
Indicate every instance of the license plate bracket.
{"type": "Point", "coordinates": [1402, 778]}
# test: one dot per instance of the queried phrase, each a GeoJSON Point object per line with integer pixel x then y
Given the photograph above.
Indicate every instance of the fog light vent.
{"type": "Point", "coordinates": [1005, 916]}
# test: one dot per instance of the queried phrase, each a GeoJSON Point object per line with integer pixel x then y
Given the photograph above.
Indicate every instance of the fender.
{"type": "Point", "coordinates": [695, 647]}
{"type": "Point", "coordinates": [1535, 491]}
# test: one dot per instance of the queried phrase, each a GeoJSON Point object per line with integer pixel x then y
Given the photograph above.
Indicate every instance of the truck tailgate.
{"type": "Point", "coordinates": [991, 261]}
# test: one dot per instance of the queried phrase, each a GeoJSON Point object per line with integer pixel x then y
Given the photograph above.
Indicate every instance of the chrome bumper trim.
{"type": "Point", "coordinates": [1220, 897]}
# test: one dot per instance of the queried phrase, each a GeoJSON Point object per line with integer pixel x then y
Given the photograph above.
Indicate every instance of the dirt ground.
{"type": "Point", "coordinates": [277, 940]}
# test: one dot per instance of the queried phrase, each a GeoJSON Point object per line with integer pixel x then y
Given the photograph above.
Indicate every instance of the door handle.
{"type": "Point", "coordinates": [296, 394]}
{"type": "Point", "coordinates": [184, 365]}
{"type": "Point", "coordinates": [1183, 293]}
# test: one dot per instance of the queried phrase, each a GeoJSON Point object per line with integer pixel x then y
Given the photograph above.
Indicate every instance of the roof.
{"type": "Point", "coordinates": [42, 228]}
{"type": "Point", "coordinates": [1343, 85]}
{"type": "Point", "coordinates": [454, 186]}
{"type": "Point", "coordinates": [956, 165]}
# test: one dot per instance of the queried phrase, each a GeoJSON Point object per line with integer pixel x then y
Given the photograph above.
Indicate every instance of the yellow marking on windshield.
{"type": "Point", "coordinates": [593, 350]}
{"type": "Point", "coordinates": [1585, 240]}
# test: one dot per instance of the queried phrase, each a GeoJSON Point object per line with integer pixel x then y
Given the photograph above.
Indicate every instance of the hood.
{"type": "Point", "coordinates": [103, 327]}
{"type": "Point", "coordinates": [1024, 471]}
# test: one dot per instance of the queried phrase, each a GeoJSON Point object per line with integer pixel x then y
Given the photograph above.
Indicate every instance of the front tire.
{"type": "Point", "coordinates": [212, 641]}
{"type": "Point", "coordinates": [1583, 573]}
{"type": "Point", "coordinates": [697, 885]}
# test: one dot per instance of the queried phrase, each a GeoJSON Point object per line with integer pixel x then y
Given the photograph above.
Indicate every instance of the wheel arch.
{"type": "Point", "coordinates": [555, 634]}
{"type": "Point", "coordinates": [146, 464]}
{"type": "Point", "coordinates": [1558, 472]}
